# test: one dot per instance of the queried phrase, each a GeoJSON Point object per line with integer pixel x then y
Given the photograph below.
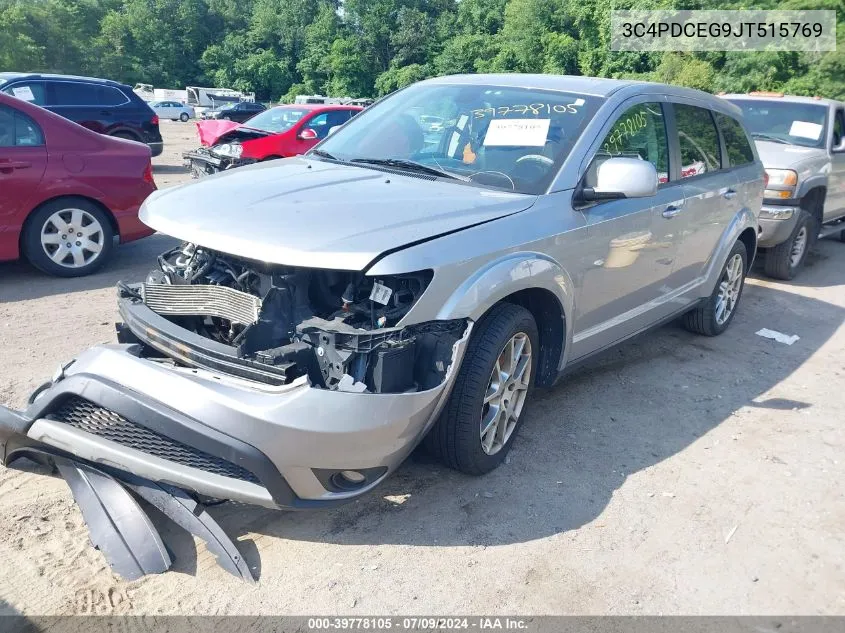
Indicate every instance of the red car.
{"type": "Point", "coordinates": [279, 132]}
{"type": "Point", "coordinates": [68, 194]}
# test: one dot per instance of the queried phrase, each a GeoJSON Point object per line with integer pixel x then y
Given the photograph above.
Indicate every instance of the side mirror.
{"type": "Point", "coordinates": [307, 134]}
{"type": "Point", "coordinates": [620, 177]}
{"type": "Point", "coordinates": [333, 129]}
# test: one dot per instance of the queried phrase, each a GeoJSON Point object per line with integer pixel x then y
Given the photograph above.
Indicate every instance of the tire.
{"type": "Point", "coordinates": [780, 261]}
{"type": "Point", "coordinates": [708, 319]}
{"type": "Point", "coordinates": [44, 252]}
{"type": "Point", "coordinates": [456, 438]}
{"type": "Point", "coordinates": [184, 117]}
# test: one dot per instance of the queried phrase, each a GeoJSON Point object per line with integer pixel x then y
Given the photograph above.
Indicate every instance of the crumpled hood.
{"type": "Point", "coordinates": [783, 156]}
{"type": "Point", "coordinates": [211, 130]}
{"type": "Point", "coordinates": [301, 212]}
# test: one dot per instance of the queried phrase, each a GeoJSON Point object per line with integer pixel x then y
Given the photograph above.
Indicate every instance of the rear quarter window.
{"type": "Point", "coordinates": [736, 141]}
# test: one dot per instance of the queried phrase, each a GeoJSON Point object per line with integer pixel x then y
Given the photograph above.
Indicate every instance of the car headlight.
{"type": "Point", "coordinates": [781, 184]}
{"type": "Point", "coordinates": [233, 150]}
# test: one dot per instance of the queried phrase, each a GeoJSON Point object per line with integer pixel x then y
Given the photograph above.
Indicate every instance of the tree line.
{"type": "Point", "coordinates": [367, 48]}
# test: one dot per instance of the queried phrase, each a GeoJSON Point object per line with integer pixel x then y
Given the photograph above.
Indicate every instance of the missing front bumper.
{"type": "Point", "coordinates": [202, 162]}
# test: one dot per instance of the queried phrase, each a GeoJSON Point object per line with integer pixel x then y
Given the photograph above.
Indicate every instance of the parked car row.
{"type": "Point", "coordinates": [410, 279]}
{"type": "Point", "coordinates": [279, 132]}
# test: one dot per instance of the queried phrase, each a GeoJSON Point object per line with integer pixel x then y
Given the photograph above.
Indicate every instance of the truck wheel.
{"type": "Point", "coordinates": [68, 237]}
{"type": "Point", "coordinates": [714, 316]}
{"type": "Point", "coordinates": [786, 259]}
{"type": "Point", "coordinates": [477, 427]}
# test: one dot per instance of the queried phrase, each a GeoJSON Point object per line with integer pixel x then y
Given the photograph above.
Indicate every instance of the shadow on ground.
{"type": "Point", "coordinates": [635, 406]}
{"type": "Point", "coordinates": [130, 262]}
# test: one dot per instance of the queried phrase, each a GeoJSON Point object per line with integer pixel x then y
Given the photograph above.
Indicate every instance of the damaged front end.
{"type": "Point", "coordinates": [274, 324]}
{"type": "Point", "coordinates": [284, 387]}
{"type": "Point", "coordinates": [220, 149]}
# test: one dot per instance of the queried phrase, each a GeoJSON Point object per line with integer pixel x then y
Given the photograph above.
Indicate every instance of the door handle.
{"type": "Point", "coordinates": [730, 194]}
{"type": "Point", "coordinates": [672, 210]}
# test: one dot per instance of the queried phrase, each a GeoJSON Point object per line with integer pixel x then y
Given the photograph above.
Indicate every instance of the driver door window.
{"type": "Point", "coordinates": [639, 133]}
{"type": "Point", "coordinates": [320, 125]}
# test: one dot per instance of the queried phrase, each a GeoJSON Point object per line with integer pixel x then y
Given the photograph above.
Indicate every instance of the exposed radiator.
{"type": "Point", "coordinates": [199, 300]}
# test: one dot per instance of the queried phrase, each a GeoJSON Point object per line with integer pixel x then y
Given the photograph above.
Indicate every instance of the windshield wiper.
{"type": "Point", "coordinates": [408, 165]}
{"type": "Point", "coordinates": [322, 154]}
{"type": "Point", "coordinates": [768, 137]}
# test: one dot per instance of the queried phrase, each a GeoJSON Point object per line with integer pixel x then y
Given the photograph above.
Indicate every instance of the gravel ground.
{"type": "Point", "coordinates": [676, 474]}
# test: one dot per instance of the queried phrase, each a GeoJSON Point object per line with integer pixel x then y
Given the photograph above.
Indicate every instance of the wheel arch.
{"type": "Point", "coordinates": [28, 220]}
{"type": "Point", "coordinates": [551, 324]}
{"type": "Point", "coordinates": [812, 201]}
{"type": "Point", "coordinates": [533, 281]}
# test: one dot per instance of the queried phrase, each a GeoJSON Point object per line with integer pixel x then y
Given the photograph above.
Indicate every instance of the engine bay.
{"type": "Point", "coordinates": [340, 328]}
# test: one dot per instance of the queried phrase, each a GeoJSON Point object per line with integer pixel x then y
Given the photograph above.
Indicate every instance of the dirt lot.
{"type": "Point", "coordinates": [677, 474]}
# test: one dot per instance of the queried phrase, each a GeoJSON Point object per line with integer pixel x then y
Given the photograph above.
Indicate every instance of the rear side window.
{"type": "Point", "coordinates": [639, 133]}
{"type": "Point", "coordinates": [32, 91]}
{"type": "Point", "coordinates": [110, 96]}
{"type": "Point", "coordinates": [698, 139]}
{"type": "Point", "coordinates": [736, 142]}
{"type": "Point", "coordinates": [71, 93]}
{"type": "Point", "coordinates": [18, 130]}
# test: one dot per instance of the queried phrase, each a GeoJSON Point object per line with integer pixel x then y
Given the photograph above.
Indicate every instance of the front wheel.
{"type": "Point", "coordinates": [477, 427]}
{"type": "Point", "coordinates": [785, 260]}
{"type": "Point", "coordinates": [716, 313]}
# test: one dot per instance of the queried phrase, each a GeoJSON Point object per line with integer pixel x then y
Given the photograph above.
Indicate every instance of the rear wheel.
{"type": "Point", "coordinates": [716, 313]}
{"type": "Point", "coordinates": [785, 260]}
{"type": "Point", "coordinates": [477, 427]}
{"type": "Point", "coordinates": [184, 117]}
{"type": "Point", "coordinates": [68, 237]}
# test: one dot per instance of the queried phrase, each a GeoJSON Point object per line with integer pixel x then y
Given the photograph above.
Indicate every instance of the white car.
{"type": "Point", "coordinates": [172, 110]}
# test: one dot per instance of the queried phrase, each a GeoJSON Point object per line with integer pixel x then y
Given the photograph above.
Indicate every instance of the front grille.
{"type": "Point", "coordinates": [91, 418]}
{"type": "Point", "coordinates": [203, 300]}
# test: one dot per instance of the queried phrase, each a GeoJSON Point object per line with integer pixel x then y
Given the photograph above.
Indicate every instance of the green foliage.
{"type": "Point", "coordinates": [280, 48]}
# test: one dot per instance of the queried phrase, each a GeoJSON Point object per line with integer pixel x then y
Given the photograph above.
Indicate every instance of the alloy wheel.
{"type": "Point", "coordinates": [72, 238]}
{"type": "Point", "coordinates": [506, 393]}
{"type": "Point", "coordinates": [729, 288]}
{"type": "Point", "coordinates": [799, 245]}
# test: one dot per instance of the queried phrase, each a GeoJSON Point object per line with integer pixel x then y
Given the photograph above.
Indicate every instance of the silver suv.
{"type": "Point", "coordinates": [801, 141]}
{"type": "Point", "coordinates": [327, 313]}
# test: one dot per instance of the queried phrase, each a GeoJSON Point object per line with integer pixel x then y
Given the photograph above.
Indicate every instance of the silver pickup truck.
{"type": "Point", "coordinates": [801, 141]}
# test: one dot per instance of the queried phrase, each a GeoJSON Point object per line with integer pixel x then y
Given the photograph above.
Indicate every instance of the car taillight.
{"type": "Point", "coordinates": [154, 120]}
{"type": "Point", "coordinates": [148, 174]}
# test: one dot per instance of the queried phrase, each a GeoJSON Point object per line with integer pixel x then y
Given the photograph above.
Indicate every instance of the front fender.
{"type": "Point", "coordinates": [505, 276]}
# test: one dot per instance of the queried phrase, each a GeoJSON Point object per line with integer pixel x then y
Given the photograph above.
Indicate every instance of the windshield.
{"type": "Point", "coordinates": [789, 122]}
{"type": "Point", "coordinates": [503, 137]}
{"type": "Point", "coordinates": [276, 119]}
